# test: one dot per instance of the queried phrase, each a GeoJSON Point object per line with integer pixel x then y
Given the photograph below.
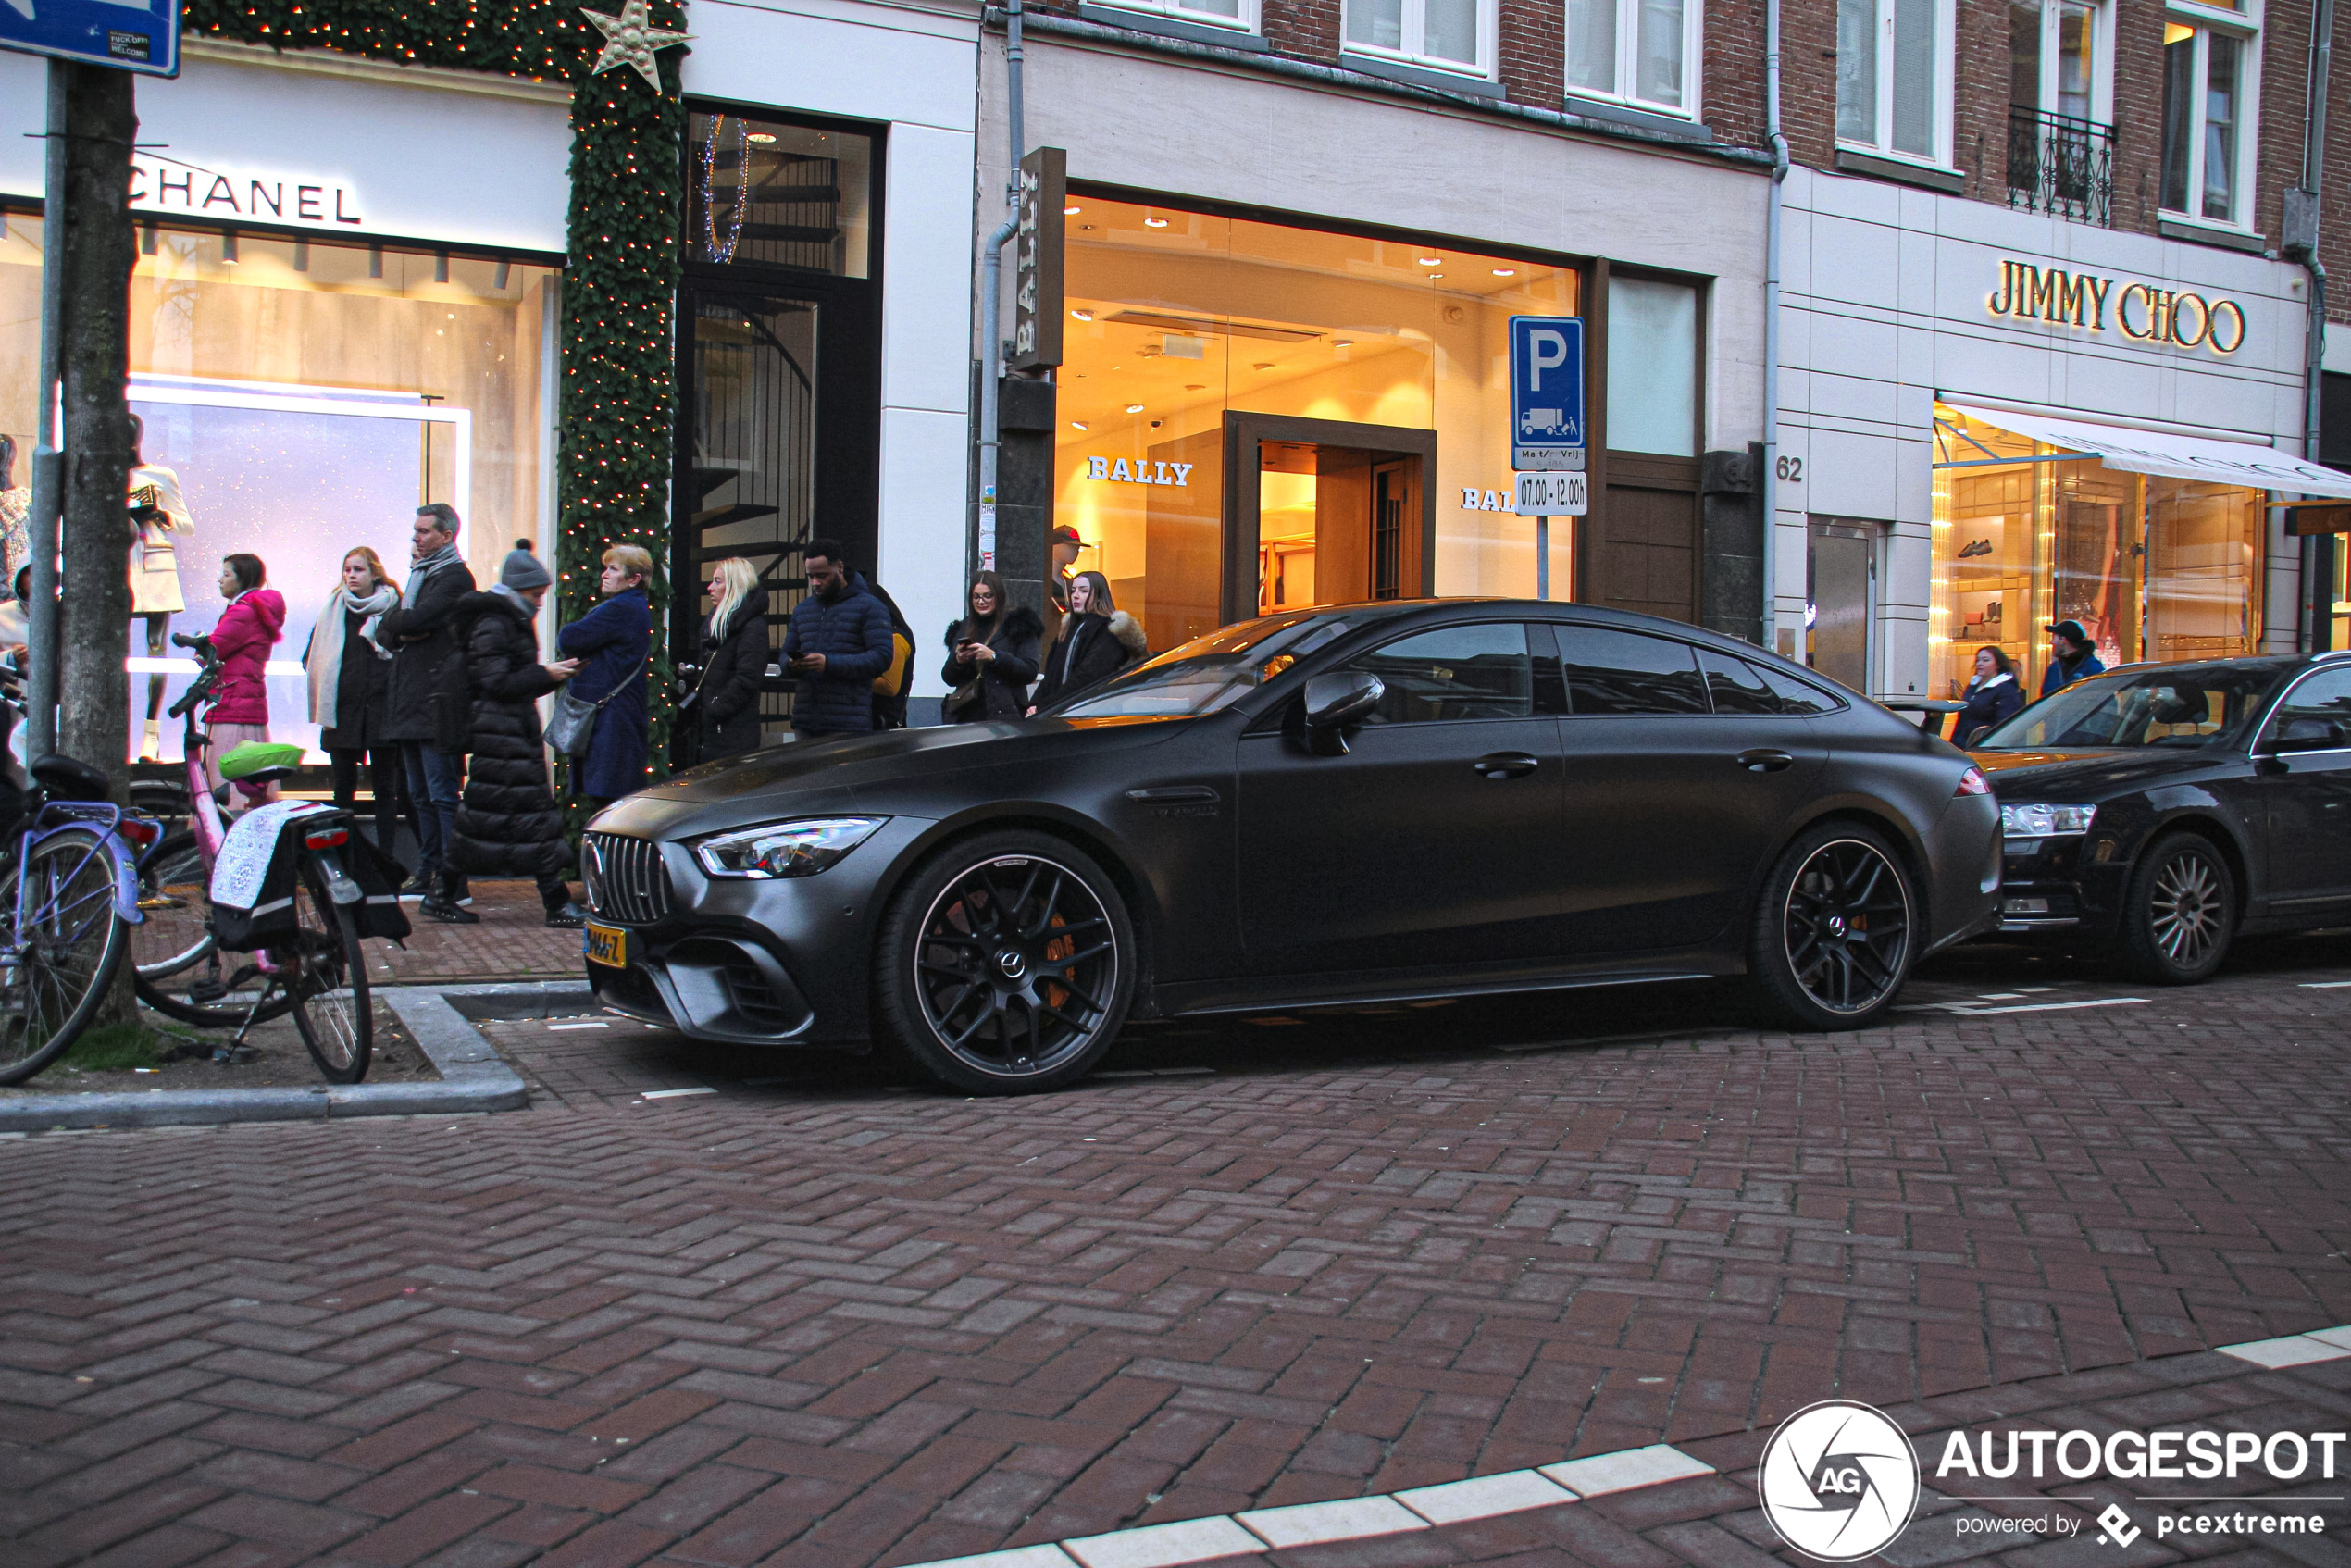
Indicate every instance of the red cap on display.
{"type": "Point", "coordinates": [1067, 532]}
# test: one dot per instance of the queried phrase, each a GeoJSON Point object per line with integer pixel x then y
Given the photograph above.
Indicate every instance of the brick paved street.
{"type": "Point", "coordinates": [800, 1314]}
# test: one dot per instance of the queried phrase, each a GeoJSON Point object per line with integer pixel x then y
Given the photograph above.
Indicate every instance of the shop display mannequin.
{"type": "Point", "coordinates": [155, 567]}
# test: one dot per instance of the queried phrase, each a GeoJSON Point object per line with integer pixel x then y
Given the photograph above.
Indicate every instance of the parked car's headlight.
{"type": "Point", "coordinates": [784, 849]}
{"type": "Point", "coordinates": [2044, 822]}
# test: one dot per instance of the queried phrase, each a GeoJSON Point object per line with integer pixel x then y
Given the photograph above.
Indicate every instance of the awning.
{"type": "Point", "coordinates": [2171, 456]}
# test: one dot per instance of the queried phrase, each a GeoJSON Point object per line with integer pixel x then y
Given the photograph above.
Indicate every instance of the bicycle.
{"type": "Point", "coordinates": [319, 974]}
{"type": "Point", "coordinates": [70, 879]}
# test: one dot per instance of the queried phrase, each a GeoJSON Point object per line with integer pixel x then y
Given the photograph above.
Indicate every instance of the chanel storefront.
{"type": "Point", "coordinates": [2000, 420]}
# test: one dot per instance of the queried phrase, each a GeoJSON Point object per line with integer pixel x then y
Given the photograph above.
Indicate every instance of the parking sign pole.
{"type": "Point", "coordinates": [48, 464]}
{"type": "Point", "coordinates": [1542, 558]}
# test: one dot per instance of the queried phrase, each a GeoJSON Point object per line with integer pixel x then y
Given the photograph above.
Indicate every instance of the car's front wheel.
{"type": "Point", "coordinates": [2180, 913]}
{"type": "Point", "coordinates": [1835, 934]}
{"type": "Point", "coordinates": [1006, 965]}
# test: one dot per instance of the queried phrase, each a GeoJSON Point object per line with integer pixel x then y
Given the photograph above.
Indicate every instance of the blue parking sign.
{"type": "Point", "coordinates": [1546, 392]}
{"type": "Point", "coordinates": [133, 35]}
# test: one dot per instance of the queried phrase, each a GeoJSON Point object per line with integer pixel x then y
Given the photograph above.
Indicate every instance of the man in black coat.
{"type": "Point", "coordinates": [508, 824]}
{"type": "Point", "coordinates": [428, 708]}
{"type": "Point", "coordinates": [839, 642]}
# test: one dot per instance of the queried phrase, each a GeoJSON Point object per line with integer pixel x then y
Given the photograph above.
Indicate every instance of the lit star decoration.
{"type": "Point", "coordinates": [630, 38]}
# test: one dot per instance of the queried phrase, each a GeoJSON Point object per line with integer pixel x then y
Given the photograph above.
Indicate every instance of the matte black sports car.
{"type": "Point", "coordinates": [2164, 809]}
{"type": "Point", "coordinates": [1365, 803]}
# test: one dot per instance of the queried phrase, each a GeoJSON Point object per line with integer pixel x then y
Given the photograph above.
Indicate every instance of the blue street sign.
{"type": "Point", "coordinates": [134, 35]}
{"type": "Point", "coordinates": [1547, 390]}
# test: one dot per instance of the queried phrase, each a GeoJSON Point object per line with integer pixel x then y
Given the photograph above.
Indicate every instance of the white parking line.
{"type": "Point", "coordinates": [2324, 985]}
{"type": "Point", "coordinates": [674, 1093]}
{"type": "Point", "coordinates": [596, 1026]}
{"type": "Point", "coordinates": [1977, 1010]}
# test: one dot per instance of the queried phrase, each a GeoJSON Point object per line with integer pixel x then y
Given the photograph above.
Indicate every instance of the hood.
{"type": "Point", "coordinates": [481, 600]}
{"type": "Point", "coordinates": [269, 607]}
{"type": "Point", "coordinates": [2037, 776]}
{"type": "Point", "coordinates": [1129, 632]}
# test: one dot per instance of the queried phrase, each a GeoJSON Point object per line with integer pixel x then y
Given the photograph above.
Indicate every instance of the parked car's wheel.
{"type": "Point", "coordinates": [2180, 911]}
{"type": "Point", "coordinates": [1835, 933]}
{"type": "Point", "coordinates": [1006, 965]}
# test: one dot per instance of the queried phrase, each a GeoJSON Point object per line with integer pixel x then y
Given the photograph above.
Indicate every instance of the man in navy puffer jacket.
{"type": "Point", "coordinates": [838, 643]}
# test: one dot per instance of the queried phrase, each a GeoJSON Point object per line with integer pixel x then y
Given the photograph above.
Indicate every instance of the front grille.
{"type": "Point", "coordinates": [624, 879]}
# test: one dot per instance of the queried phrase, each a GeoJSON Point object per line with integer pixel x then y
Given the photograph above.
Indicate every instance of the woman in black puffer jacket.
{"type": "Point", "coordinates": [735, 652]}
{"type": "Point", "coordinates": [1098, 640]}
{"type": "Point", "coordinates": [991, 654]}
{"type": "Point", "coordinates": [507, 821]}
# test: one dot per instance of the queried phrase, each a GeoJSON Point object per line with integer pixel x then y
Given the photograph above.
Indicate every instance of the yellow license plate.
{"type": "Point", "coordinates": [607, 945]}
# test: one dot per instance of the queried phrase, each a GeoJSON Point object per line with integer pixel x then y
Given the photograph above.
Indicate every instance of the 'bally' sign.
{"type": "Point", "coordinates": [1142, 470]}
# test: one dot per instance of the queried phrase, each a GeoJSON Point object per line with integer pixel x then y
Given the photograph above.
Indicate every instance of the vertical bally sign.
{"type": "Point", "coordinates": [1037, 260]}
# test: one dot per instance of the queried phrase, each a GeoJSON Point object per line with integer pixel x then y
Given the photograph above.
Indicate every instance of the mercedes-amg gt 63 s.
{"type": "Point", "coordinates": [1339, 806]}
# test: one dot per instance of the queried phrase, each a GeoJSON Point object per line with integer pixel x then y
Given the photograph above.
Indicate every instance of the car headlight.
{"type": "Point", "coordinates": [784, 849]}
{"type": "Point", "coordinates": [2044, 822]}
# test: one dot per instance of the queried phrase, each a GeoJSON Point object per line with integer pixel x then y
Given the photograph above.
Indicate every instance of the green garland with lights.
{"type": "Point", "coordinates": [621, 278]}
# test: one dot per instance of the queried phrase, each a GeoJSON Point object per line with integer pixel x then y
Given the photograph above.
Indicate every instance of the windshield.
{"type": "Point", "coordinates": [1212, 672]}
{"type": "Point", "coordinates": [2169, 705]}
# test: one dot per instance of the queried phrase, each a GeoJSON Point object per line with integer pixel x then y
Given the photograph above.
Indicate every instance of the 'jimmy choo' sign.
{"type": "Point", "coordinates": [2142, 313]}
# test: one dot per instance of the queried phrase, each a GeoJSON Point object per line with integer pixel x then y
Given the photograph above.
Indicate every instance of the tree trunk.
{"type": "Point", "coordinates": [94, 614]}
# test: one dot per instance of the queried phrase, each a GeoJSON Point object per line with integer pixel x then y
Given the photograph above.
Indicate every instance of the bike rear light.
{"type": "Point", "coordinates": [334, 837]}
{"type": "Point", "coordinates": [1972, 782]}
{"type": "Point", "coordinates": [141, 831]}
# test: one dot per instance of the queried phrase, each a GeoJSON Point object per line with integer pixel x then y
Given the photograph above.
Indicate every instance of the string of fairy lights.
{"type": "Point", "coordinates": [620, 277]}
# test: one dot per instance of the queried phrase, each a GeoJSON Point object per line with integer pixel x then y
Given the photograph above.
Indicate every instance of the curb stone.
{"type": "Point", "coordinates": [474, 1078]}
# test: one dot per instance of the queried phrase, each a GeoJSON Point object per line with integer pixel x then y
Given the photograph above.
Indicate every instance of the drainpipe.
{"type": "Point", "coordinates": [991, 266]}
{"type": "Point", "coordinates": [1767, 480]}
{"type": "Point", "coordinates": [2317, 553]}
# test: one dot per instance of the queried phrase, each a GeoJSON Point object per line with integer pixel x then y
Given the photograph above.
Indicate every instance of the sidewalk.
{"type": "Point", "coordinates": [512, 942]}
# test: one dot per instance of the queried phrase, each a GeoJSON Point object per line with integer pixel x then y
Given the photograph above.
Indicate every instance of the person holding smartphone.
{"type": "Point", "coordinates": [838, 643]}
{"type": "Point", "coordinates": [991, 655]}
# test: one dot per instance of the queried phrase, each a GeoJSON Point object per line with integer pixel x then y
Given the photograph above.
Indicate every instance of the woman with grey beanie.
{"type": "Point", "coordinates": [507, 821]}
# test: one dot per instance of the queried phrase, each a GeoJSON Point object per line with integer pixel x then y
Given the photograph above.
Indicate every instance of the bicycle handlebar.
{"type": "Point", "coordinates": [200, 688]}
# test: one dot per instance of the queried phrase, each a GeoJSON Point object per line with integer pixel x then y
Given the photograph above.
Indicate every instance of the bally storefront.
{"type": "Point", "coordinates": [2013, 420]}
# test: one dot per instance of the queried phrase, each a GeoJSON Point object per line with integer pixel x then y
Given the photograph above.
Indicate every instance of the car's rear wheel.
{"type": "Point", "coordinates": [1006, 965]}
{"type": "Point", "coordinates": [1835, 933]}
{"type": "Point", "coordinates": [2180, 913]}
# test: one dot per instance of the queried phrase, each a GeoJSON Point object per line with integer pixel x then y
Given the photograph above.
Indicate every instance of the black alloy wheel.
{"type": "Point", "coordinates": [1834, 936]}
{"type": "Point", "coordinates": [2180, 913]}
{"type": "Point", "coordinates": [1006, 965]}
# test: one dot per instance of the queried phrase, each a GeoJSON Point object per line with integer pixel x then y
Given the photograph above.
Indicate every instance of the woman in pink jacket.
{"type": "Point", "coordinates": [248, 628]}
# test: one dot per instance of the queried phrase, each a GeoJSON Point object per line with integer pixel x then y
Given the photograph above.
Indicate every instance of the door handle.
{"type": "Point", "coordinates": [1765, 759]}
{"type": "Point", "coordinates": [1506, 765]}
{"type": "Point", "coordinates": [1175, 794]}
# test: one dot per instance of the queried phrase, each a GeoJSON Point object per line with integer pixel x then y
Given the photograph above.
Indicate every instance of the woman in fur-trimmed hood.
{"type": "Point", "coordinates": [991, 655]}
{"type": "Point", "coordinates": [1098, 640]}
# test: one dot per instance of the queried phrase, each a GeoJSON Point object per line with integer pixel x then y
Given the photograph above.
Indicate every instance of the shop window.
{"type": "Point", "coordinates": [1892, 67]}
{"type": "Point", "coordinates": [1360, 383]}
{"type": "Point", "coordinates": [1628, 672]}
{"type": "Point", "coordinates": [308, 396]}
{"type": "Point", "coordinates": [2208, 148]}
{"type": "Point", "coordinates": [1240, 14]}
{"type": "Point", "coordinates": [771, 194]}
{"type": "Point", "coordinates": [2061, 135]}
{"type": "Point", "coordinates": [1455, 673]}
{"type": "Point", "coordinates": [1652, 367]}
{"type": "Point", "coordinates": [1634, 51]}
{"type": "Point", "coordinates": [1455, 35]}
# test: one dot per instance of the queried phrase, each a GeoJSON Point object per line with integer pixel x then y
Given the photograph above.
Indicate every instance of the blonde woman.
{"type": "Point", "coordinates": [349, 671]}
{"type": "Point", "coordinates": [612, 643]}
{"type": "Point", "coordinates": [734, 660]}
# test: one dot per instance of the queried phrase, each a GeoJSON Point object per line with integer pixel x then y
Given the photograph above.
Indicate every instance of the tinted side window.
{"type": "Point", "coordinates": [1736, 686]}
{"type": "Point", "coordinates": [1795, 696]}
{"type": "Point", "coordinates": [2325, 696]}
{"type": "Point", "coordinates": [1454, 672]}
{"type": "Point", "coordinates": [1628, 672]}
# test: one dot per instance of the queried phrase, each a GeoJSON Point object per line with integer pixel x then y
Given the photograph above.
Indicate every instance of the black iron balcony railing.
{"type": "Point", "coordinates": [2060, 165]}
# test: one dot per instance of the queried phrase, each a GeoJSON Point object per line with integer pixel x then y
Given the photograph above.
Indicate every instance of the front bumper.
{"type": "Point", "coordinates": [2060, 884]}
{"type": "Point", "coordinates": [782, 963]}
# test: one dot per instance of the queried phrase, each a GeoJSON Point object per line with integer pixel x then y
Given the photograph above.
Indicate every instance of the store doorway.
{"type": "Point", "coordinates": [1324, 512]}
{"type": "Point", "coordinates": [1840, 609]}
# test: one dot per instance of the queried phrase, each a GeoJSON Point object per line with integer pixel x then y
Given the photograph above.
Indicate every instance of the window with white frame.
{"type": "Point", "coordinates": [1893, 65]}
{"type": "Point", "coordinates": [1455, 35]}
{"type": "Point", "coordinates": [2058, 60]}
{"type": "Point", "coordinates": [1240, 14]}
{"type": "Point", "coordinates": [1637, 52]}
{"type": "Point", "coordinates": [2210, 57]}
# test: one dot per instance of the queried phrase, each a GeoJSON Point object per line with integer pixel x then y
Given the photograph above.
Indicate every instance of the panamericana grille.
{"type": "Point", "coordinates": [624, 877]}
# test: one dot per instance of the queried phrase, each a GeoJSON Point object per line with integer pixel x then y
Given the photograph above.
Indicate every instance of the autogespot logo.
{"type": "Point", "coordinates": [1838, 1481]}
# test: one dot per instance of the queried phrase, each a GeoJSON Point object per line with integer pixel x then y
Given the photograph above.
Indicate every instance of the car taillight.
{"type": "Point", "coordinates": [331, 839]}
{"type": "Point", "coordinates": [1972, 782]}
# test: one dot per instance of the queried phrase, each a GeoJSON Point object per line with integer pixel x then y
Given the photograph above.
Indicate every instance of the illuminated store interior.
{"type": "Point", "coordinates": [309, 396]}
{"type": "Point", "coordinates": [2026, 534]}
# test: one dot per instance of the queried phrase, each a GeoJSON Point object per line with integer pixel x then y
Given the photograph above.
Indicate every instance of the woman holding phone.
{"type": "Point", "coordinates": [992, 656]}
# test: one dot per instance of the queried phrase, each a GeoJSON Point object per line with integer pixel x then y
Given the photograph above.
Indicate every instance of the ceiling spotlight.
{"type": "Point", "coordinates": [1077, 424]}
{"type": "Point", "coordinates": [763, 138]}
{"type": "Point", "coordinates": [1432, 261]}
{"type": "Point", "coordinates": [1435, 277]}
{"type": "Point", "coordinates": [1342, 343]}
{"type": "Point", "coordinates": [1154, 223]}
{"type": "Point", "coordinates": [1072, 210]}
{"type": "Point", "coordinates": [1195, 386]}
{"type": "Point", "coordinates": [1506, 272]}
{"type": "Point", "coordinates": [1262, 365]}
{"type": "Point", "coordinates": [1083, 315]}
{"type": "Point", "coordinates": [1134, 408]}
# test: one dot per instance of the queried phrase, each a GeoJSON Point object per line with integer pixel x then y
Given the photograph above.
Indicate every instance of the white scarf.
{"type": "Point", "coordinates": [424, 568]}
{"type": "Point", "coordinates": [323, 663]}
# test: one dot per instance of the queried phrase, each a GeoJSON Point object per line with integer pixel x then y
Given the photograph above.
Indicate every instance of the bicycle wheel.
{"type": "Point", "coordinates": [57, 961]}
{"type": "Point", "coordinates": [171, 895]}
{"type": "Point", "coordinates": [330, 981]}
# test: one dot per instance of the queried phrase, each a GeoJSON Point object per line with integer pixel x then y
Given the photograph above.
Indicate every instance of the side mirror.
{"type": "Point", "coordinates": [1333, 702]}
{"type": "Point", "coordinates": [2308, 735]}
